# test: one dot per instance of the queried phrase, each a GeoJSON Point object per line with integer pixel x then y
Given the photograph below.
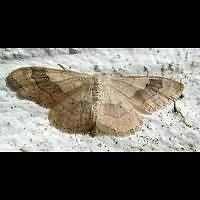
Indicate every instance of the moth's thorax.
{"type": "Point", "coordinates": [97, 88]}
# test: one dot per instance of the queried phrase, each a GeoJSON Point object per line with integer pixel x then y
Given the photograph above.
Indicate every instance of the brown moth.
{"type": "Point", "coordinates": [98, 104]}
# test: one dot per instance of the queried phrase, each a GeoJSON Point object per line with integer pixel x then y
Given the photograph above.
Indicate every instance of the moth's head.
{"type": "Point", "coordinates": [102, 75]}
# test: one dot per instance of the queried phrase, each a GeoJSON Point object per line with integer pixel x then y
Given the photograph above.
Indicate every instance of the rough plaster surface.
{"type": "Point", "coordinates": [24, 125]}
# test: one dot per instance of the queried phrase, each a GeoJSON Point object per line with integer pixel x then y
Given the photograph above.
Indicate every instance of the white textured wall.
{"type": "Point", "coordinates": [24, 125]}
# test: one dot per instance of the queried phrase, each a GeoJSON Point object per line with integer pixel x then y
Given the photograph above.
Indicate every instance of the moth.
{"type": "Point", "coordinates": [109, 104]}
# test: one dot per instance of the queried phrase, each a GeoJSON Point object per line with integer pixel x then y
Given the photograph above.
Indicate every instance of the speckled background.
{"type": "Point", "coordinates": [24, 126]}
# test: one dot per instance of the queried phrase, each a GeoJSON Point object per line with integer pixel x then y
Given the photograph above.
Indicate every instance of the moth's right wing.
{"type": "Point", "coordinates": [115, 115]}
{"type": "Point", "coordinates": [147, 93]}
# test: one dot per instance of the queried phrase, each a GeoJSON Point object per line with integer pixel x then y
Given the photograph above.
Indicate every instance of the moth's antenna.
{"type": "Point", "coordinates": [62, 67]}
{"type": "Point", "coordinates": [146, 70]}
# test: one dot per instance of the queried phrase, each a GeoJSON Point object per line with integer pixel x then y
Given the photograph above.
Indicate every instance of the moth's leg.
{"type": "Point", "coordinates": [177, 111]}
{"type": "Point", "coordinates": [175, 108]}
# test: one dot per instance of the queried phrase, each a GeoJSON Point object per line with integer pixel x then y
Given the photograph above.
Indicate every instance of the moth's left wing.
{"type": "Point", "coordinates": [45, 86]}
{"type": "Point", "coordinates": [147, 93]}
